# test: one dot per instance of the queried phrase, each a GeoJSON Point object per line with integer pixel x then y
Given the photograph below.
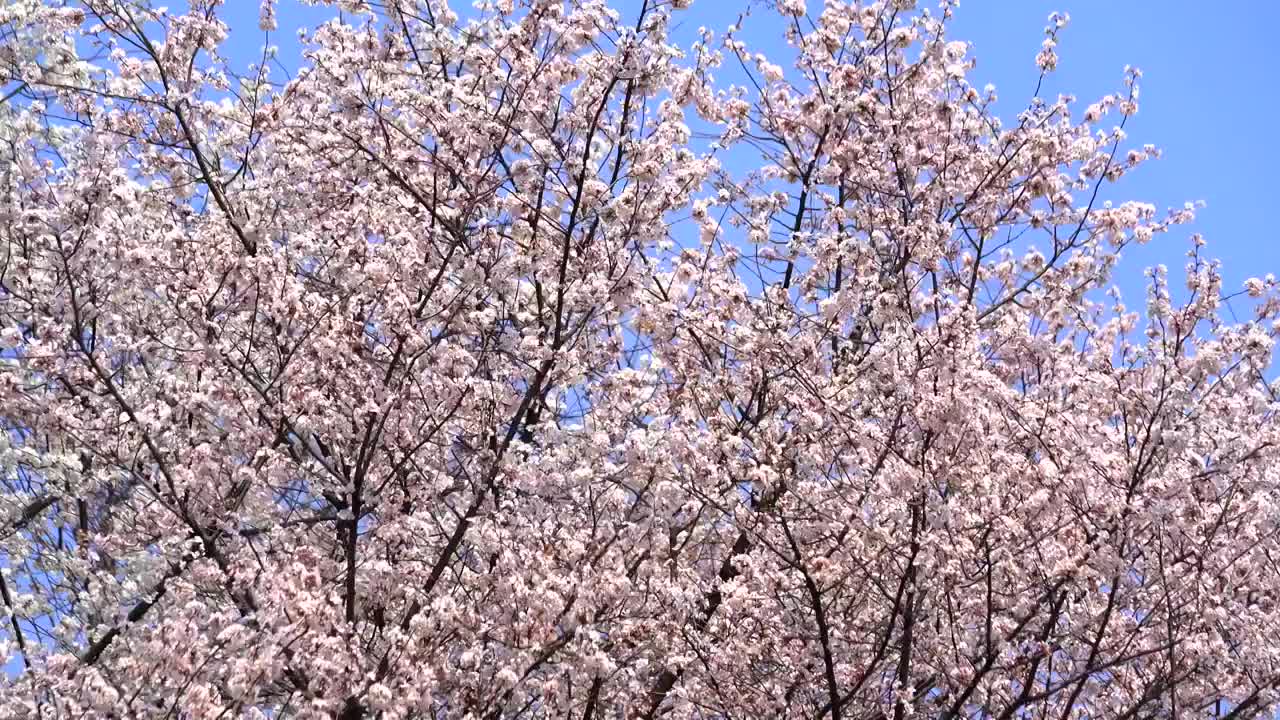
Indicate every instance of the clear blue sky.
{"type": "Point", "coordinates": [1208, 99]}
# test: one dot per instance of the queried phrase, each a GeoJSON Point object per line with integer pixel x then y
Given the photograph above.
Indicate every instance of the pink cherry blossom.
{"type": "Point", "coordinates": [508, 363]}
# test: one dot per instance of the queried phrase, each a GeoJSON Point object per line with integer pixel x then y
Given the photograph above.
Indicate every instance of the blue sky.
{"type": "Point", "coordinates": [1208, 101]}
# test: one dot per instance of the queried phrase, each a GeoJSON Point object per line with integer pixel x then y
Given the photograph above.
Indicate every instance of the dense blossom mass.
{"type": "Point", "coordinates": [526, 361]}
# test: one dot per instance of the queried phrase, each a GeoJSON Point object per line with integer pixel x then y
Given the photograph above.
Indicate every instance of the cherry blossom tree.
{"type": "Point", "coordinates": [522, 361]}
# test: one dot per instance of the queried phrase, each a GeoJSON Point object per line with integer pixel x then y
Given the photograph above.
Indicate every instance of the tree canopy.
{"type": "Point", "coordinates": [526, 362]}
